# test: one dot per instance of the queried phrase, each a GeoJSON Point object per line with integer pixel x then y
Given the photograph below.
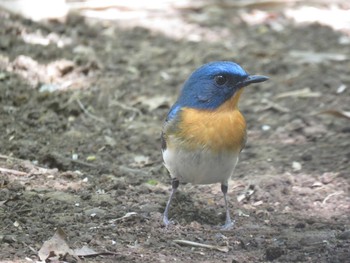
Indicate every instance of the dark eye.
{"type": "Point", "coordinates": [220, 80]}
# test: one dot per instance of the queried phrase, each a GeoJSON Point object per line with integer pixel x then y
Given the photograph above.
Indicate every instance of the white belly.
{"type": "Point", "coordinates": [201, 166]}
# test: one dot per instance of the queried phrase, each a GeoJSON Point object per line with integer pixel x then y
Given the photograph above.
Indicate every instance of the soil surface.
{"type": "Point", "coordinates": [82, 105]}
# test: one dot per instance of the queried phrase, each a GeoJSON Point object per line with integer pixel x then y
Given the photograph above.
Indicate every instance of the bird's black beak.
{"type": "Point", "coordinates": [252, 79]}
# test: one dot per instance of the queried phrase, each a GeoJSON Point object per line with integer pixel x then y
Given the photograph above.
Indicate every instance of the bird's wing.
{"type": "Point", "coordinates": [163, 141]}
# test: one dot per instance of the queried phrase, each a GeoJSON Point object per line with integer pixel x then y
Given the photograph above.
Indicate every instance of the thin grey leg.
{"type": "Point", "coordinates": [228, 222]}
{"type": "Point", "coordinates": [174, 185]}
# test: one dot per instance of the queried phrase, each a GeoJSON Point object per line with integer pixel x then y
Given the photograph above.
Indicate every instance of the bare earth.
{"type": "Point", "coordinates": [86, 157]}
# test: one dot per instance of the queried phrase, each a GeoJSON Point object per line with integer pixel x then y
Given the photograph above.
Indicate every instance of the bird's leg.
{"type": "Point", "coordinates": [174, 185]}
{"type": "Point", "coordinates": [228, 222]}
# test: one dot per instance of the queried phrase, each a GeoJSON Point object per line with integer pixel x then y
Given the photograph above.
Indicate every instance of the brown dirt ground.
{"type": "Point", "coordinates": [83, 156]}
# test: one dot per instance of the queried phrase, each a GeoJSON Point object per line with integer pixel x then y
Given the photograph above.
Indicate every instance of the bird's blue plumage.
{"type": "Point", "coordinates": [201, 91]}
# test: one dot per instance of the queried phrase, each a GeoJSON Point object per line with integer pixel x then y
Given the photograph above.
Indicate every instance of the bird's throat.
{"type": "Point", "coordinates": [231, 103]}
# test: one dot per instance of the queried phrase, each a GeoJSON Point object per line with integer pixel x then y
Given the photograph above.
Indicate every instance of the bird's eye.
{"type": "Point", "coordinates": [220, 80]}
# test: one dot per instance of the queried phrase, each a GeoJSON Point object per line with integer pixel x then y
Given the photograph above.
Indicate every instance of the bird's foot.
{"type": "Point", "coordinates": [167, 222]}
{"type": "Point", "coordinates": [228, 225]}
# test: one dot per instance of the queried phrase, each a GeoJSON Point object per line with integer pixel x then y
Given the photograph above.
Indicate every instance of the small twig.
{"type": "Point", "coordinates": [65, 159]}
{"type": "Point", "coordinates": [126, 107]}
{"type": "Point", "coordinates": [6, 157]}
{"type": "Point", "coordinates": [275, 106]}
{"type": "Point", "coordinates": [127, 215]}
{"type": "Point", "coordinates": [11, 171]}
{"type": "Point", "coordinates": [132, 170]}
{"type": "Point", "coordinates": [81, 163]}
{"type": "Point", "coordinates": [82, 107]}
{"type": "Point", "coordinates": [4, 202]}
{"type": "Point", "coordinates": [196, 244]}
{"type": "Point", "coordinates": [330, 195]}
{"type": "Point", "coordinates": [31, 248]}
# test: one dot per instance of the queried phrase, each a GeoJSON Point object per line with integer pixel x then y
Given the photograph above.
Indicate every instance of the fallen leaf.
{"type": "Point", "coordinates": [241, 213]}
{"type": "Point", "coordinates": [56, 247]}
{"type": "Point", "coordinates": [110, 141]}
{"type": "Point", "coordinates": [91, 158]}
{"type": "Point", "coordinates": [245, 194]}
{"type": "Point", "coordinates": [152, 182]}
{"type": "Point", "coordinates": [141, 161]}
{"type": "Point", "coordinates": [85, 252]}
{"type": "Point", "coordinates": [257, 203]}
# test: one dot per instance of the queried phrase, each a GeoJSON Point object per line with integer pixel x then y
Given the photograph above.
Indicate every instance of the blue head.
{"type": "Point", "coordinates": [211, 85]}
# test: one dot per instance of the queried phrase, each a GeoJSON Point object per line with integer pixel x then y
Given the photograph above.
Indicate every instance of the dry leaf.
{"type": "Point", "coordinates": [337, 113]}
{"type": "Point", "coordinates": [241, 213]}
{"type": "Point", "coordinates": [85, 252]}
{"type": "Point", "coordinates": [141, 159]}
{"type": "Point", "coordinates": [56, 247]}
{"type": "Point", "coordinates": [301, 93]}
{"type": "Point", "coordinates": [247, 193]}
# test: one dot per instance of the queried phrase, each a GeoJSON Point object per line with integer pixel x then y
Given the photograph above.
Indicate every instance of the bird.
{"type": "Point", "coordinates": [204, 131]}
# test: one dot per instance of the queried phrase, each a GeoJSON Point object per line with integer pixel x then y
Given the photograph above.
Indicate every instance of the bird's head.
{"type": "Point", "coordinates": [213, 84]}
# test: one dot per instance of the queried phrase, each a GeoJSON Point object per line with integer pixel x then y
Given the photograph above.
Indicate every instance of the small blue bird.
{"type": "Point", "coordinates": [204, 131]}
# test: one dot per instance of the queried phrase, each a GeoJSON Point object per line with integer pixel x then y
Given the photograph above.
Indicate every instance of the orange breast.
{"type": "Point", "coordinates": [219, 130]}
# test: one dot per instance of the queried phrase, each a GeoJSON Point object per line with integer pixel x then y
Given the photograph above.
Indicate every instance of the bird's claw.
{"type": "Point", "coordinates": [228, 225]}
{"type": "Point", "coordinates": [167, 222]}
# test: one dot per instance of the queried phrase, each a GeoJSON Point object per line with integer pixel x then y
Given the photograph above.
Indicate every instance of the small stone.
{"type": "Point", "coordinates": [306, 157]}
{"type": "Point", "coordinates": [327, 178]}
{"type": "Point", "coordinates": [9, 239]}
{"type": "Point", "coordinates": [345, 235]}
{"type": "Point", "coordinates": [296, 166]}
{"type": "Point", "coordinates": [266, 127]}
{"type": "Point", "coordinates": [273, 253]}
{"type": "Point", "coordinates": [300, 225]}
{"type": "Point", "coordinates": [95, 212]}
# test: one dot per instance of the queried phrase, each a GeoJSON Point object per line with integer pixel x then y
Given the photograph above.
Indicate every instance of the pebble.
{"type": "Point", "coordinates": [95, 212]}
{"type": "Point", "coordinates": [273, 253]}
{"type": "Point", "coordinates": [344, 235]}
{"type": "Point", "coordinates": [9, 239]}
